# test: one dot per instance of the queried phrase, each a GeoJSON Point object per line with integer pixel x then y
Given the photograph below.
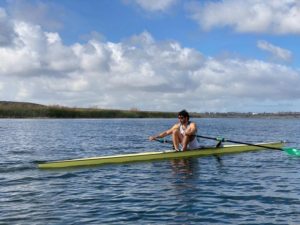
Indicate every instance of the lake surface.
{"type": "Point", "coordinates": [248, 188]}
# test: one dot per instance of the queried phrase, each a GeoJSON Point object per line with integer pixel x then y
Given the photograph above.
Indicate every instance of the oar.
{"type": "Point", "coordinates": [290, 151]}
{"type": "Point", "coordinates": [163, 141]}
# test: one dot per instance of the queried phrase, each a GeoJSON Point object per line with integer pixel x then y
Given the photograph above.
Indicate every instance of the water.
{"type": "Point", "coordinates": [249, 188]}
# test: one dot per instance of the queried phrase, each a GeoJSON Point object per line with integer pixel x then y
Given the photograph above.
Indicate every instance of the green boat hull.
{"type": "Point", "coordinates": [150, 156]}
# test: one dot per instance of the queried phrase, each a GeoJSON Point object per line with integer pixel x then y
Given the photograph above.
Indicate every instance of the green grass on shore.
{"type": "Point", "coordinates": [32, 110]}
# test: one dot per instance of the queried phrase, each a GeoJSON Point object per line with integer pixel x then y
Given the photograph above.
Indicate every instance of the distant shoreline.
{"type": "Point", "coordinates": [32, 110]}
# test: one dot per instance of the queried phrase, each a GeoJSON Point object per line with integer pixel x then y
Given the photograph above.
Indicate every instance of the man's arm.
{"type": "Point", "coordinates": [164, 133]}
{"type": "Point", "coordinates": [192, 129]}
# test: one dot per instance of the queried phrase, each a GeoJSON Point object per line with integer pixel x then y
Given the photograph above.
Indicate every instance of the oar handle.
{"type": "Point", "coordinates": [163, 141]}
{"type": "Point", "coordinates": [237, 142]}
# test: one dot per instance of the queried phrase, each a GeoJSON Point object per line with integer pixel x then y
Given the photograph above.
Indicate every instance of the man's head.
{"type": "Point", "coordinates": [183, 115]}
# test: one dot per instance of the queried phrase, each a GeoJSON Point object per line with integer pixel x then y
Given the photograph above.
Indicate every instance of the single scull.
{"type": "Point", "coordinates": [149, 156]}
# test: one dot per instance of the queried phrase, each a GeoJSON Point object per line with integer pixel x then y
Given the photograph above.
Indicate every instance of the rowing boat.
{"type": "Point", "coordinates": [149, 156]}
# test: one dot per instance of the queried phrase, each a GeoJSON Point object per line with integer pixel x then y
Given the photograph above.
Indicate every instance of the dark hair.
{"type": "Point", "coordinates": [184, 113]}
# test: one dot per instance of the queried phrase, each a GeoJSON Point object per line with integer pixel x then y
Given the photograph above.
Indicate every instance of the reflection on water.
{"type": "Point", "coordinates": [219, 159]}
{"type": "Point", "coordinates": [185, 168]}
{"type": "Point", "coordinates": [189, 167]}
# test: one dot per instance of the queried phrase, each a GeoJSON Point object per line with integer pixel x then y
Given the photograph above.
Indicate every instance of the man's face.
{"type": "Point", "coordinates": [182, 119]}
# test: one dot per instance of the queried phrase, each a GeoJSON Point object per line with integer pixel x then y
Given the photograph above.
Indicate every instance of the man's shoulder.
{"type": "Point", "coordinates": [192, 123]}
{"type": "Point", "coordinates": [176, 125]}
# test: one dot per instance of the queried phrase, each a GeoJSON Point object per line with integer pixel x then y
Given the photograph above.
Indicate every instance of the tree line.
{"type": "Point", "coordinates": [33, 110]}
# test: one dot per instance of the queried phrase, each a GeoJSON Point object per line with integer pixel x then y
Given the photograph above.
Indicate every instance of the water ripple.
{"type": "Point", "coordinates": [249, 188]}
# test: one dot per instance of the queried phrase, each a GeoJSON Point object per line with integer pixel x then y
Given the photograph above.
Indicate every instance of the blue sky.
{"type": "Point", "coordinates": [164, 55]}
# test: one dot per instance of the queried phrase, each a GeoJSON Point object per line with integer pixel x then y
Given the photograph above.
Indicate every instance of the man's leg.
{"type": "Point", "coordinates": [177, 139]}
{"type": "Point", "coordinates": [186, 140]}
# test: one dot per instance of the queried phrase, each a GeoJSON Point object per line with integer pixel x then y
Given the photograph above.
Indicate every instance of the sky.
{"type": "Point", "coordinates": [158, 55]}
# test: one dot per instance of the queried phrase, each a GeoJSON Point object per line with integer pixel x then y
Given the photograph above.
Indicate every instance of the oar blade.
{"type": "Point", "coordinates": [292, 151]}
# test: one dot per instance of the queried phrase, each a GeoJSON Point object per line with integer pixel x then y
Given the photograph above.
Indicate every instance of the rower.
{"type": "Point", "coordinates": [183, 133]}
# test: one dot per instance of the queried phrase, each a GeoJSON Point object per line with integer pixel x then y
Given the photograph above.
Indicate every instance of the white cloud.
{"type": "Point", "coordinates": [277, 52]}
{"type": "Point", "coordinates": [6, 29]}
{"type": "Point", "coordinates": [153, 5]}
{"type": "Point", "coordinates": [257, 16]}
{"type": "Point", "coordinates": [138, 72]}
{"type": "Point", "coordinates": [246, 79]}
{"type": "Point", "coordinates": [37, 11]}
{"type": "Point", "coordinates": [34, 52]}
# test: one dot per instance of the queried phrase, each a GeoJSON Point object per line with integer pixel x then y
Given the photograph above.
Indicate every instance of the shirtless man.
{"type": "Point", "coordinates": [183, 133]}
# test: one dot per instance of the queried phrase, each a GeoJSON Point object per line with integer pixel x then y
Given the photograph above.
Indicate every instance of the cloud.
{"type": "Point", "coordinates": [249, 16]}
{"type": "Point", "coordinates": [277, 52]}
{"type": "Point", "coordinates": [6, 29]}
{"type": "Point", "coordinates": [154, 5]}
{"type": "Point", "coordinates": [35, 52]}
{"type": "Point", "coordinates": [138, 72]}
{"type": "Point", "coordinates": [37, 12]}
{"type": "Point", "coordinates": [246, 79]}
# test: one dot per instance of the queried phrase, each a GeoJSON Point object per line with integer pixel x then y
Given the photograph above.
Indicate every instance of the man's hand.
{"type": "Point", "coordinates": [151, 138]}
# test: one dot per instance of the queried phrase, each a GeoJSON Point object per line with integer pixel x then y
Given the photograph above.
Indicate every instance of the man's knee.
{"type": "Point", "coordinates": [175, 132]}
